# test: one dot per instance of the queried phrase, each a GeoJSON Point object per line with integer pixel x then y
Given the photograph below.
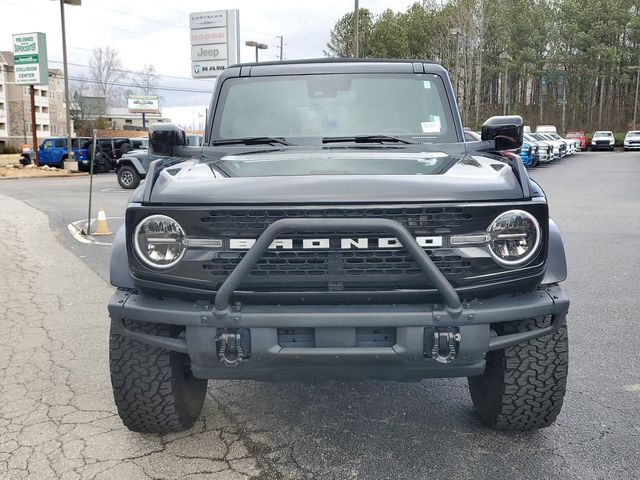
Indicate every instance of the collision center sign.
{"type": "Point", "coordinates": [215, 42]}
{"type": "Point", "coordinates": [143, 104]}
{"type": "Point", "coordinates": [30, 58]}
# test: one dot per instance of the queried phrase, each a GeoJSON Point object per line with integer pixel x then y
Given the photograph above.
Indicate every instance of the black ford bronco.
{"type": "Point", "coordinates": [336, 225]}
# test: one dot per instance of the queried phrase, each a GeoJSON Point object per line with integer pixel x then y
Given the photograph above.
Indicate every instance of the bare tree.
{"type": "Point", "coordinates": [105, 69]}
{"type": "Point", "coordinates": [146, 80]}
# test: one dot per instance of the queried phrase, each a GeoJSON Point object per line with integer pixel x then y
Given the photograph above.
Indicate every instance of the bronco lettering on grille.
{"type": "Point", "coordinates": [333, 243]}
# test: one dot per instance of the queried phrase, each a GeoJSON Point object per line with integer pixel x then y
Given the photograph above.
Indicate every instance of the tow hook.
{"type": "Point", "coordinates": [446, 344]}
{"type": "Point", "coordinates": [234, 345]}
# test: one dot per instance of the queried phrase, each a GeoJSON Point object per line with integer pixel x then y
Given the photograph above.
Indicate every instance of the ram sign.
{"type": "Point", "coordinates": [215, 42]}
{"type": "Point", "coordinates": [143, 104]}
{"type": "Point", "coordinates": [30, 59]}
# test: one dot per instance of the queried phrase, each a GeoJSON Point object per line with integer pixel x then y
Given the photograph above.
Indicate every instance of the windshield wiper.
{"type": "Point", "coordinates": [251, 141]}
{"type": "Point", "coordinates": [366, 139]}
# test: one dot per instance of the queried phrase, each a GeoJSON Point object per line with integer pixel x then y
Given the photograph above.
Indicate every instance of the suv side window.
{"type": "Point", "coordinates": [105, 144]}
{"type": "Point", "coordinates": [47, 144]}
{"type": "Point", "coordinates": [59, 143]}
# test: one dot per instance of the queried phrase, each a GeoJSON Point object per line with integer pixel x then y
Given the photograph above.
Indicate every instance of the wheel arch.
{"type": "Point", "coordinates": [132, 162]}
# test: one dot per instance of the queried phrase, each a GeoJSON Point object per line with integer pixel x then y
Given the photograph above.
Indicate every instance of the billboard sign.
{"type": "Point", "coordinates": [30, 58]}
{"type": "Point", "coordinates": [143, 104]}
{"type": "Point", "coordinates": [215, 42]}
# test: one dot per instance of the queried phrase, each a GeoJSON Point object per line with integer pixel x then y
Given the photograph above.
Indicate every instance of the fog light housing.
{"type": "Point", "coordinates": [515, 238]}
{"type": "Point", "coordinates": [158, 242]}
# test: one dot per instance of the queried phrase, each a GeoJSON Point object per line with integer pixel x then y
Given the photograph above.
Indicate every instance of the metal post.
{"type": "Point", "coordinates": [281, 45]}
{"type": "Point", "coordinates": [70, 155]}
{"type": "Point", "coordinates": [635, 107]}
{"type": "Point", "coordinates": [92, 159]}
{"type": "Point", "coordinates": [256, 54]}
{"type": "Point", "coordinates": [504, 98]}
{"type": "Point", "coordinates": [356, 34]}
{"type": "Point", "coordinates": [34, 135]}
{"type": "Point", "coordinates": [144, 120]}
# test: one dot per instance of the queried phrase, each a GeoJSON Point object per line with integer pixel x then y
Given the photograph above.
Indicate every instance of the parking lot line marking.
{"type": "Point", "coordinates": [632, 388]}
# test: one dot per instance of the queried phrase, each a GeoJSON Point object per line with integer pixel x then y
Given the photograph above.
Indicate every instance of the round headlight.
{"type": "Point", "coordinates": [515, 238]}
{"type": "Point", "coordinates": [157, 241]}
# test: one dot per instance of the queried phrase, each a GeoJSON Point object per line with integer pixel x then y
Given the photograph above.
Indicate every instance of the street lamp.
{"type": "Point", "coordinates": [257, 46]}
{"type": "Point", "coordinates": [71, 163]}
{"type": "Point", "coordinates": [505, 57]}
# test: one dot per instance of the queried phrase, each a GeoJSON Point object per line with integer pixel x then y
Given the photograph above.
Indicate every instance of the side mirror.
{"type": "Point", "coordinates": [506, 131]}
{"type": "Point", "coordinates": [163, 137]}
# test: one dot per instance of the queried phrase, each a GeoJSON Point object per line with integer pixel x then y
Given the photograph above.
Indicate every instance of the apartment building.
{"type": "Point", "coordinates": [15, 108]}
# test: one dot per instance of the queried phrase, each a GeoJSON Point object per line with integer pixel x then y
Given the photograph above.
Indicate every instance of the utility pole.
{"type": "Point", "coordinates": [356, 34]}
{"type": "Point", "coordinates": [34, 135]}
{"type": "Point", "coordinates": [70, 157]}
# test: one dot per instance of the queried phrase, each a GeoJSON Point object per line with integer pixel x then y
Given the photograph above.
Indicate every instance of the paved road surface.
{"type": "Point", "coordinates": [57, 418]}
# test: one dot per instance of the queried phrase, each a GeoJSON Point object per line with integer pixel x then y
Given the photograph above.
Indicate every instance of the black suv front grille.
{"type": "Point", "coordinates": [334, 269]}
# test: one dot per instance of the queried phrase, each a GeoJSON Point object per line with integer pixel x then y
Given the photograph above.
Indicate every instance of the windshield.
{"type": "Point", "coordinates": [309, 108]}
{"type": "Point", "coordinates": [603, 134]}
{"type": "Point", "coordinates": [634, 133]}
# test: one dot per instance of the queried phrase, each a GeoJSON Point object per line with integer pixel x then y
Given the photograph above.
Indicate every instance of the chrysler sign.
{"type": "Point", "coordinates": [215, 42]}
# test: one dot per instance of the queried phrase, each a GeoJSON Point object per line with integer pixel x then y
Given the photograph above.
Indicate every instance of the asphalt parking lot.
{"type": "Point", "coordinates": [57, 419]}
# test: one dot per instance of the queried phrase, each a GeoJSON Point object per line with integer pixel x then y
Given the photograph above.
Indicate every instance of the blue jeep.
{"type": "Point", "coordinates": [53, 151]}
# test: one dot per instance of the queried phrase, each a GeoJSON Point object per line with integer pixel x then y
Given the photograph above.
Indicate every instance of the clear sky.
{"type": "Point", "coordinates": [156, 32]}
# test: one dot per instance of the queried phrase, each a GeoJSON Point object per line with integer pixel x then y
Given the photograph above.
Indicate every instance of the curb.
{"type": "Point", "coordinates": [53, 175]}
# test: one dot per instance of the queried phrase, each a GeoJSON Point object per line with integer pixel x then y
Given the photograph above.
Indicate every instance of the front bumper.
{"type": "Point", "coordinates": [408, 359]}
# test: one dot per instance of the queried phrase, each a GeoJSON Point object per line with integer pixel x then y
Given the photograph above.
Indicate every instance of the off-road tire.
{"type": "Point", "coordinates": [128, 177]}
{"type": "Point", "coordinates": [523, 386]}
{"type": "Point", "coordinates": [153, 388]}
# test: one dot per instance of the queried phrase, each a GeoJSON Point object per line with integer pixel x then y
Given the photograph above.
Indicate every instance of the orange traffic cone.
{"type": "Point", "coordinates": [101, 224]}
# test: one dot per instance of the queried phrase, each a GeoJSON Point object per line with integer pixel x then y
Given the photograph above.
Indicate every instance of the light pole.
{"type": "Point", "coordinates": [72, 164]}
{"type": "Point", "coordinates": [257, 46]}
{"type": "Point", "coordinates": [635, 105]}
{"type": "Point", "coordinates": [504, 56]}
{"type": "Point", "coordinates": [456, 33]}
{"type": "Point", "coordinates": [356, 34]}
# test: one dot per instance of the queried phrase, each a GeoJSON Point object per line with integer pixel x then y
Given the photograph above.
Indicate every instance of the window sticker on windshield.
{"type": "Point", "coordinates": [427, 84]}
{"type": "Point", "coordinates": [430, 127]}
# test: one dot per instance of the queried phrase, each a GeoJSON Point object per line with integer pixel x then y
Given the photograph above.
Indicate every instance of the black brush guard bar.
{"type": "Point", "coordinates": [296, 225]}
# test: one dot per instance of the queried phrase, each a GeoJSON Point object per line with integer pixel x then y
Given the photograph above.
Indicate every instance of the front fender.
{"type": "Point", "coordinates": [135, 163]}
{"type": "Point", "coordinates": [556, 260]}
{"type": "Point", "coordinates": [119, 268]}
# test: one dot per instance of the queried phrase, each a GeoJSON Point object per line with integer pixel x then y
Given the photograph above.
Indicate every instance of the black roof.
{"type": "Point", "coordinates": [305, 61]}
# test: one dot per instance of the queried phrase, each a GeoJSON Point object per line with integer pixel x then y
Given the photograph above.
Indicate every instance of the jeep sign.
{"type": "Point", "coordinates": [215, 42]}
{"type": "Point", "coordinates": [30, 58]}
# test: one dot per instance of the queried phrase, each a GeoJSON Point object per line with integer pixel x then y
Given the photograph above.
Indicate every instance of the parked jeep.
{"type": "Point", "coordinates": [132, 167]}
{"type": "Point", "coordinates": [335, 224]}
{"type": "Point", "coordinates": [54, 152]}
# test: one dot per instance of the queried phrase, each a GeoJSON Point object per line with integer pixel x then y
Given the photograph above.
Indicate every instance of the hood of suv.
{"type": "Point", "coordinates": [329, 177]}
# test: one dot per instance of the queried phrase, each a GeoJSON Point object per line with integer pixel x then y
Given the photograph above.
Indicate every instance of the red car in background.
{"type": "Point", "coordinates": [581, 136]}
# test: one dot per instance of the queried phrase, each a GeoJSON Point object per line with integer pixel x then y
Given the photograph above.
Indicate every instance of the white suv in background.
{"type": "Point", "coordinates": [632, 140]}
{"type": "Point", "coordinates": [602, 140]}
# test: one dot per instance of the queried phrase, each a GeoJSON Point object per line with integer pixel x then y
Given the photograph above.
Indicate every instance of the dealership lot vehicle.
{"type": "Point", "coordinates": [632, 140]}
{"type": "Point", "coordinates": [603, 140]}
{"type": "Point", "coordinates": [545, 148]}
{"type": "Point", "coordinates": [132, 167]}
{"type": "Point", "coordinates": [581, 137]}
{"type": "Point", "coordinates": [558, 149]}
{"type": "Point", "coordinates": [546, 129]}
{"type": "Point", "coordinates": [114, 148]}
{"type": "Point", "coordinates": [54, 152]}
{"type": "Point", "coordinates": [303, 243]}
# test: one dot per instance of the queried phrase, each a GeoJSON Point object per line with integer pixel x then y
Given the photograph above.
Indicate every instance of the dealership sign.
{"type": "Point", "coordinates": [215, 42]}
{"type": "Point", "coordinates": [143, 104]}
{"type": "Point", "coordinates": [30, 59]}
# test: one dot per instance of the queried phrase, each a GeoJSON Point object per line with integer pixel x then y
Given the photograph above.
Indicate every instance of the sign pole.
{"type": "Point", "coordinates": [92, 160]}
{"type": "Point", "coordinates": [144, 120]}
{"type": "Point", "coordinates": [34, 135]}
